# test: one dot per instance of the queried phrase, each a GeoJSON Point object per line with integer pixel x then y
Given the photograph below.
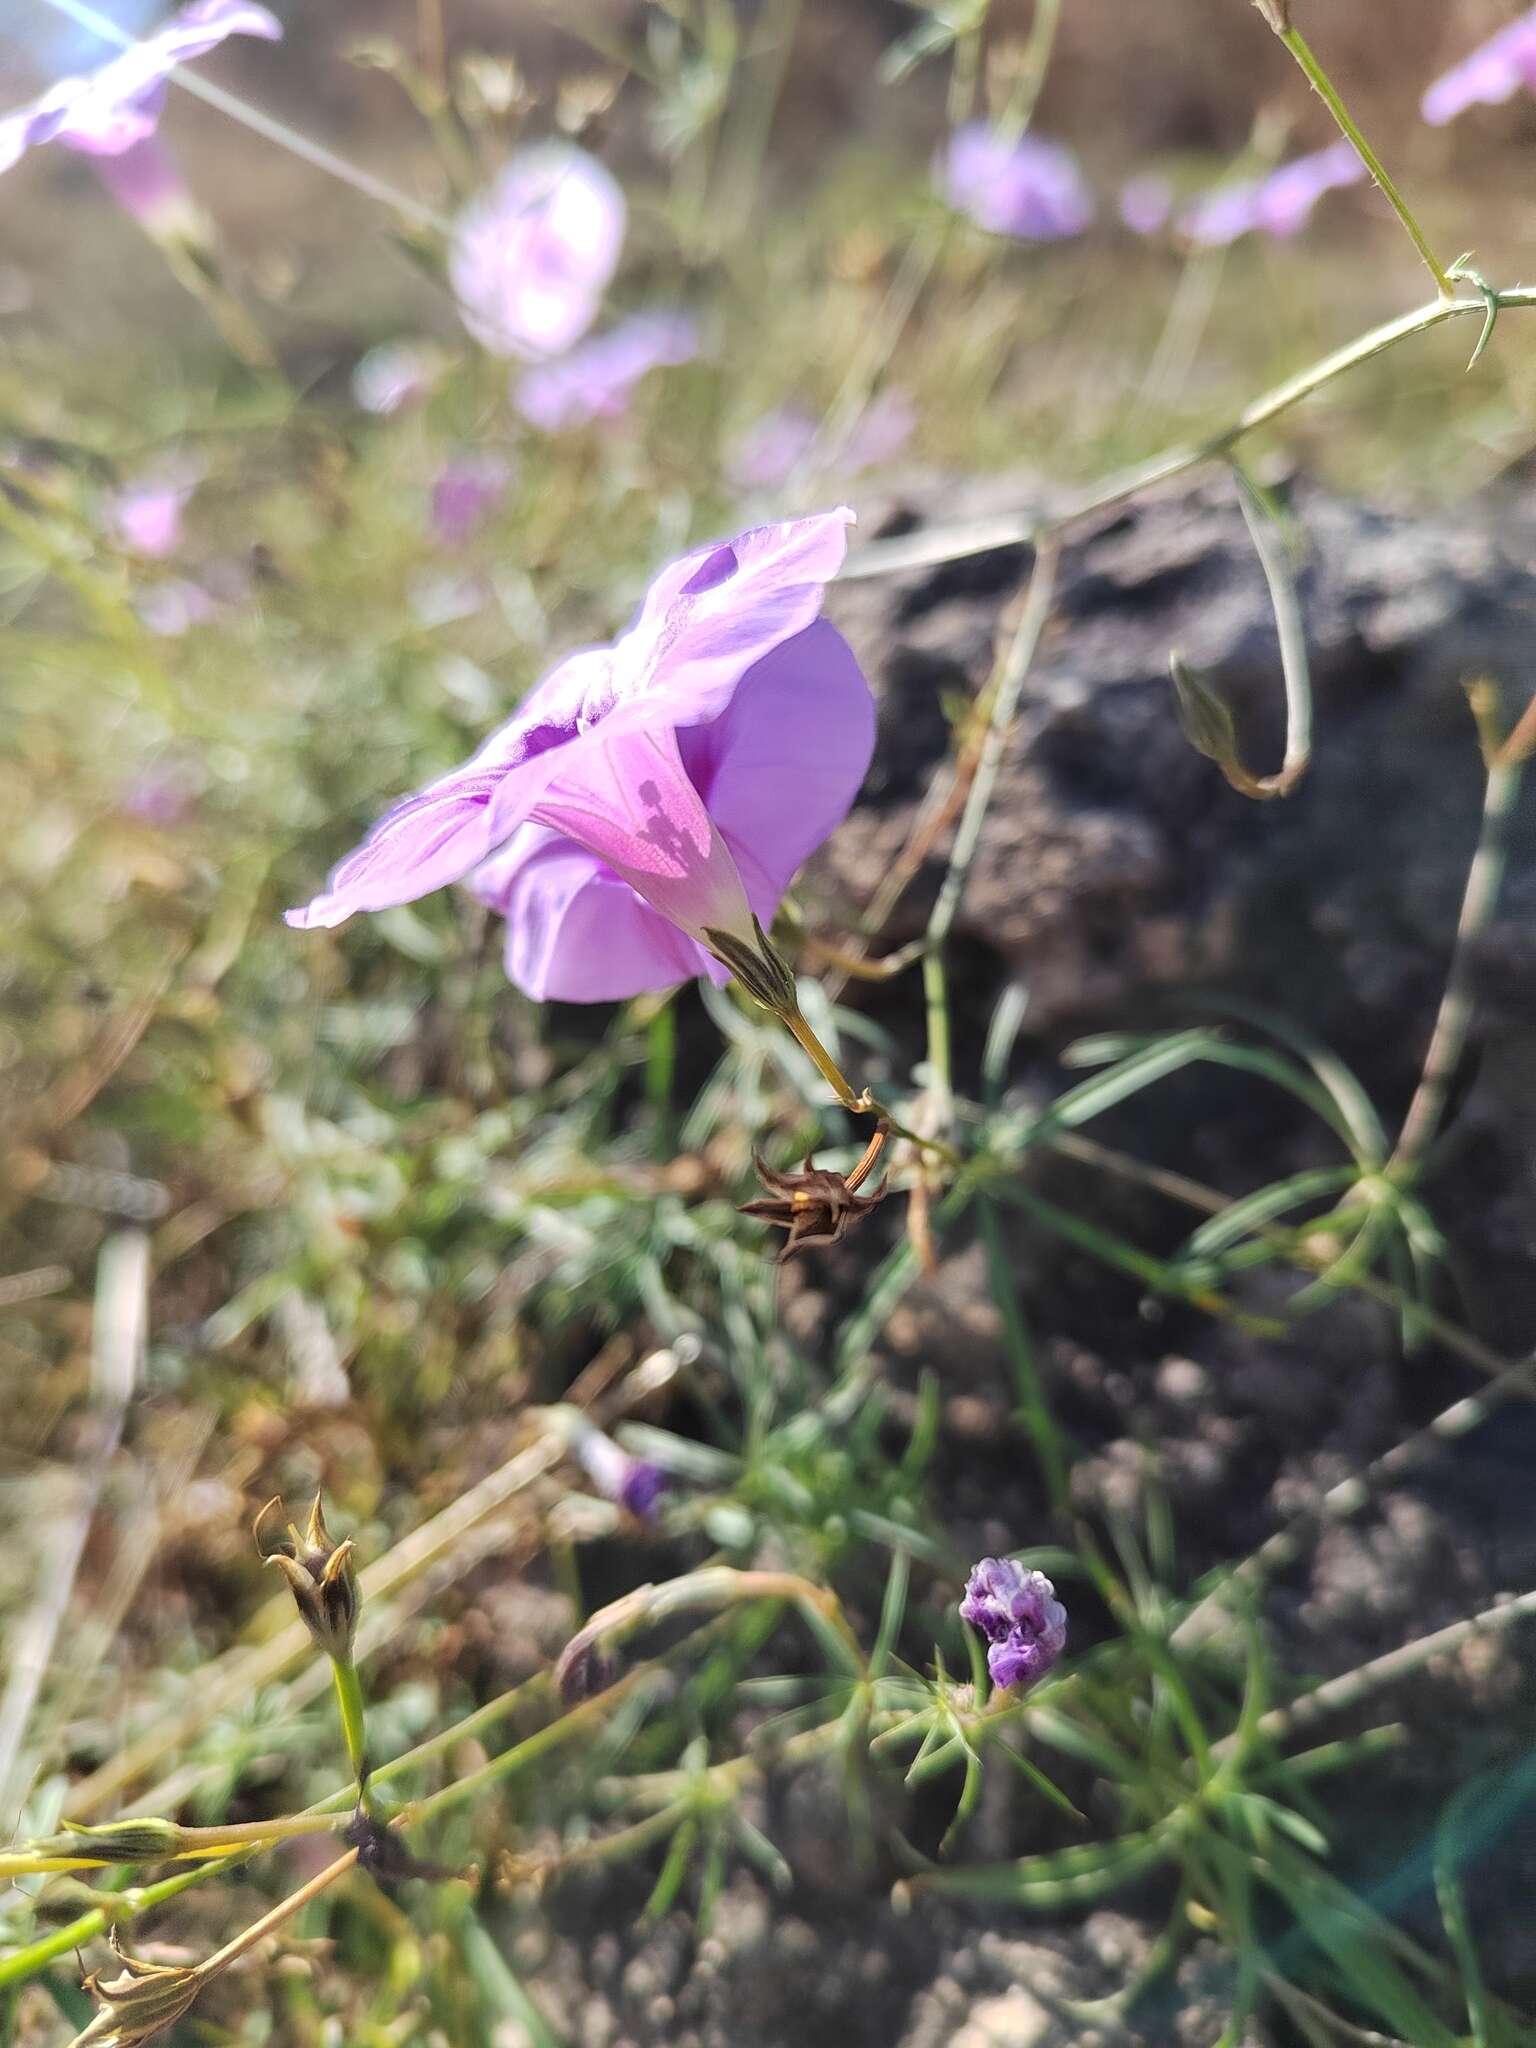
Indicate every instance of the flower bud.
{"type": "Point", "coordinates": [762, 970]}
{"type": "Point", "coordinates": [1277, 13]}
{"type": "Point", "coordinates": [144, 1839]}
{"type": "Point", "coordinates": [320, 1577]}
{"type": "Point", "coordinates": [582, 1670]}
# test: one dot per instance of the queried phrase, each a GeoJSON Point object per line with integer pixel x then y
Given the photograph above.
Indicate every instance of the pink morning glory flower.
{"type": "Point", "coordinates": [467, 490]}
{"type": "Point", "coordinates": [1017, 1611]}
{"type": "Point", "coordinates": [145, 515]}
{"type": "Point", "coordinates": [648, 793]}
{"type": "Point", "coordinates": [532, 256]}
{"type": "Point", "coordinates": [1494, 72]}
{"type": "Point", "coordinates": [1278, 204]}
{"type": "Point", "coordinates": [774, 447]}
{"type": "Point", "coordinates": [1019, 185]}
{"type": "Point", "coordinates": [106, 112]}
{"type": "Point", "coordinates": [596, 380]}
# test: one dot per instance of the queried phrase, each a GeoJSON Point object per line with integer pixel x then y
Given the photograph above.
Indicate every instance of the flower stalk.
{"type": "Point", "coordinates": [1324, 87]}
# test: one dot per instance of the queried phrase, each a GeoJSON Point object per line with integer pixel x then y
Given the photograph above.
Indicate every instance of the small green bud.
{"type": "Point", "coordinates": [320, 1577]}
{"type": "Point", "coordinates": [762, 971]}
{"type": "Point", "coordinates": [1207, 724]}
{"type": "Point", "coordinates": [141, 1840]}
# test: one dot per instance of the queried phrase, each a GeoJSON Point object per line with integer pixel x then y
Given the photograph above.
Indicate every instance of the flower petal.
{"type": "Point", "coordinates": [597, 379]}
{"type": "Point", "coordinates": [441, 832]}
{"type": "Point", "coordinates": [108, 111]}
{"type": "Point", "coordinates": [709, 617]}
{"type": "Point", "coordinates": [1019, 185]}
{"type": "Point", "coordinates": [781, 765]}
{"type": "Point", "coordinates": [625, 796]}
{"type": "Point", "coordinates": [575, 932]}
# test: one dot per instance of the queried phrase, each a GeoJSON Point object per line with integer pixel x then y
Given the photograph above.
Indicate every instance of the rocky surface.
{"type": "Point", "coordinates": [1116, 862]}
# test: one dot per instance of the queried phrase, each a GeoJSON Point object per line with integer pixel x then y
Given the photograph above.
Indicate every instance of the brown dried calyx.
{"type": "Point", "coordinates": [319, 1574]}
{"type": "Point", "coordinates": [815, 1205]}
{"type": "Point", "coordinates": [139, 2002]}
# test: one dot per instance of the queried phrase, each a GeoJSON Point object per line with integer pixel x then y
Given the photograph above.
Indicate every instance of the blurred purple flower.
{"type": "Point", "coordinates": [145, 515]}
{"type": "Point", "coordinates": [1494, 72]}
{"type": "Point", "coordinates": [175, 607]}
{"type": "Point", "coordinates": [634, 1483]}
{"type": "Point", "coordinates": [395, 375]}
{"type": "Point", "coordinates": [647, 792]}
{"type": "Point", "coordinates": [1016, 1609]}
{"type": "Point", "coordinates": [881, 431]}
{"type": "Point", "coordinates": [774, 447]}
{"type": "Point", "coordinates": [1017, 185]}
{"type": "Point", "coordinates": [1146, 203]}
{"type": "Point", "coordinates": [465, 491]}
{"type": "Point", "coordinates": [532, 256]}
{"type": "Point", "coordinates": [106, 112]}
{"type": "Point", "coordinates": [596, 380]}
{"type": "Point", "coordinates": [160, 794]}
{"type": "Point", "coordinates": [1278, 204]}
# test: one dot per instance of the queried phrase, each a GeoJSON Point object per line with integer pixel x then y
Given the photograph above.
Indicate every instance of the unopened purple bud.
{"type": "Point", "coordinates": [634, 1483]}
{"type": "Point", "coordinates": [1015, 1608]}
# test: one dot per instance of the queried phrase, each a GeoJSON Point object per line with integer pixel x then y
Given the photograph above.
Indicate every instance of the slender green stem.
{"type": "Point", "coordinates": [1324, 87]}
{"type": "Point", "coordinates": [1007, 686]}
{"type": "Point", "coordinates": [1449, 1037]}
{"type": "Point", "coordinates": [826, 1066]}
{"type": "Point", "coordinates": [354, 1727]}
{"type": "Point", "coordinates": [1336, 1695]}
{"type": "Point", "coordinates": [863, 1104]}
{"type": "Point", "coordinates": [974, 537]}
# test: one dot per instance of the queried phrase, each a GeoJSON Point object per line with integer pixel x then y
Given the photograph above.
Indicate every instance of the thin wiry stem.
{"type": "Point", "coordinates": [1012, 671]}
{"type": "Point", "coordinates": [301, 146]}
{"type": "Point", "coordinates": [1323, 86]}
{"type": "Point", "coordinates": [1336, 1695]}
{"type": "Point", "coordinates": [980, 536]}
{"type": "Point", "coordinates": [1410, 1454]}
{"type": "Point", "coordinates": [1449, 1037]}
